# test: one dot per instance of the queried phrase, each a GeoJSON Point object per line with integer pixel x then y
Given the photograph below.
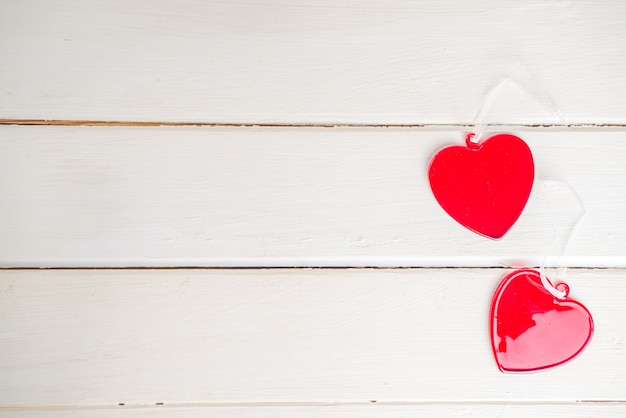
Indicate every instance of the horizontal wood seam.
{"type": "Point", "coordinates": [305, 404]}
{"type": "Point", "coordinates": [306, 268]}
{"type": "Point", "coordinates": [63, 122]}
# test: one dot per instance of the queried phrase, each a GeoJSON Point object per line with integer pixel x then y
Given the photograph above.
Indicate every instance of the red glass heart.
{"type": "Point", "coordinates": [484, 186]}
{"type": "Point", "coordinates": [531, 329]}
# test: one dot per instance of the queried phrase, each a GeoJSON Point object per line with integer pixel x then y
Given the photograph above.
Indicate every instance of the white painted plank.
{"type": "Point", "coordinates": [364, 411]}
{"type": "Point", "coordinates": [400, 62]}
{"type": "Point", "coordinates": [140, 337]}
{"type": "Point", "coordinates": [102, 196]}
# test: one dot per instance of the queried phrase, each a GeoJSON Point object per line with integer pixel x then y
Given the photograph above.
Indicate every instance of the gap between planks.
{"type": "Point", "coordinates": [271, 404]}
{"type": "Point", "coordinates": [296, 268]}
{"type": "Point", "coordinates": [63, 122]}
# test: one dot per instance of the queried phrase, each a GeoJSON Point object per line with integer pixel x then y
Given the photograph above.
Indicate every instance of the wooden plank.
{"type": "Point", "coordinates": [365, 411]}
{"type": "Point", "coordinates": [308, 62]}
{"type": "Point", "coordinates": [142, 337]}
{"type": "Point", "coordinates": [222, 197]}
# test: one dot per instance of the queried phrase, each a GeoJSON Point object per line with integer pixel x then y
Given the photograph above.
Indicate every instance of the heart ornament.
{"type": "Point", "coordinates": [532, 329]}
{"type": "Point", "coordinates": [484, 186]}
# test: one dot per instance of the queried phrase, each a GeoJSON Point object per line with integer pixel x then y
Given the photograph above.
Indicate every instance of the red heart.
{"type": "Point", "coordinates": [484, 186]}
{"type": "Point", "coordinates": [531, 329]}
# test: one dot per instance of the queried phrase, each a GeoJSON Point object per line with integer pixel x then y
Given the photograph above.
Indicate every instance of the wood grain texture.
{"type": "Point", "coordinates": [141, 337]}
{"type": "Point", "coordinates": [227, 197]}
{"type": "Point", "coordinates": [297, 342]}
{"type": "Point", "coordinates": [274, 61]}
{"type": "Point", "coordinates": [305, 411]}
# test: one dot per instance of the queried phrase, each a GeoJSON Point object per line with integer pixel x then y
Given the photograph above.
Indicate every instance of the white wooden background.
{"type": "Point", "coordinates": [225, 190]}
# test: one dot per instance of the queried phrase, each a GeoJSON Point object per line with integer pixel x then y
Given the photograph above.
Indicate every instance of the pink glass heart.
{"type": "Point", "coordinates": [484, 186]}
